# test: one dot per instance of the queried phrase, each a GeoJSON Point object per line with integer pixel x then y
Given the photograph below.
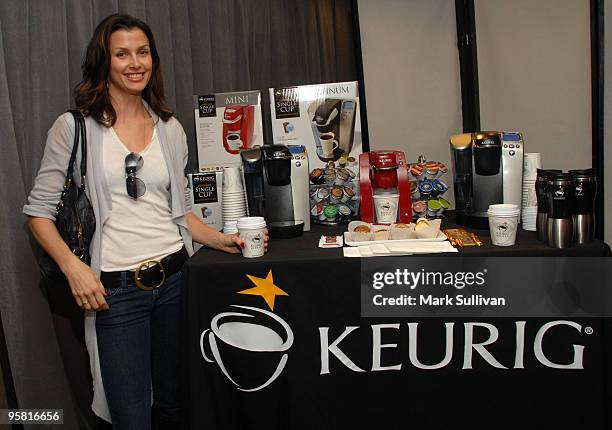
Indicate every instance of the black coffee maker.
{"type": "Point", "coordinates": [276, 182]}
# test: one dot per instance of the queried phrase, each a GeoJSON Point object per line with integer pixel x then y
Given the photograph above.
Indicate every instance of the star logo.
{"type": "Point", "coordinates": [265, 288]}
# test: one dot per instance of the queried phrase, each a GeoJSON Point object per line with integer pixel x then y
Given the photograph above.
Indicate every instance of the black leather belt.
{"type": "Point", "coordinates": [150, 275]}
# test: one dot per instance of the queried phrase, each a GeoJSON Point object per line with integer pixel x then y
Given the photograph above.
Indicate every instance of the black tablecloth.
{"type": "Point", "coordinates": [338, 370]}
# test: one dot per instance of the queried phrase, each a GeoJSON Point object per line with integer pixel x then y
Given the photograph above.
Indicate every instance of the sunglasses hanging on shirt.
{"type": "Point", "coordinates": [134, 185]}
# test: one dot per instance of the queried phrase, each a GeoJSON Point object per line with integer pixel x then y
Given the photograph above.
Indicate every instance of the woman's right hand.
{"type": "Point", "coordinates": [84, 284]}
{"type": "Point", "coordinates": [86, 288]}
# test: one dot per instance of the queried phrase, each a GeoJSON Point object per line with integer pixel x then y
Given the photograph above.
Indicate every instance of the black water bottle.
{"type": "Point", "coordinates": [559, 197]}
{"type": "Point", "coordinates": [585, 188]}
{"type": "Point", "coordinates": [542, 217]}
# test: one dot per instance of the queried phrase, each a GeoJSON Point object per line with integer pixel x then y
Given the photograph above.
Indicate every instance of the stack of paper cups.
{"type": "Point", "coordinates": [234, 203]}
{"type": "Point", "coordinates": [252, 232]}
{"type": "Point", "coordinates": [230, 227]}
{"type": "Point", "coordinates": [529, 207]}
{"type": "Point", "coordinates": [503, 223]}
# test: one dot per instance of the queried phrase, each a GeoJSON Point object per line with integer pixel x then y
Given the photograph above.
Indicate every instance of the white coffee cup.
{"type": "Point", "coordinates": [385, 206]}
{"type": "Point", "coordinates": [233, 141]}
{"type": "Point", "coordinates": [328, 144]}
{"type": "Point", "coordinates": [503, 223]}
{"type": "Point", "coordinates": [252, 232]}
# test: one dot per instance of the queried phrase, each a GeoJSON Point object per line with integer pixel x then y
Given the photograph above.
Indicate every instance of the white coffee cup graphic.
{"type": "Point", "coordinates": [233, 141]}
{"type": "Point", "coordinates": [328, 144]}
{"type": "Point", "coordinates": [240, 347]}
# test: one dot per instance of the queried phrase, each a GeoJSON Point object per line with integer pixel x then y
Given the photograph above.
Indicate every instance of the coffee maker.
{"type": "Point", "coordinates": [276, 182]}
{"type": "Point", "coordinates": [384, 172]}
{"type": "Point", "coordinates": [333, 127]}
{"type": "Point", "coordinates": [487, 169]}
{"type": "Point", "coordinates": [238, 123]}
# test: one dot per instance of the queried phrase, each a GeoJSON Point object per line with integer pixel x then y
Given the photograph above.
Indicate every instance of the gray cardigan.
{"type": "Point", "coordinates": [48, 185]}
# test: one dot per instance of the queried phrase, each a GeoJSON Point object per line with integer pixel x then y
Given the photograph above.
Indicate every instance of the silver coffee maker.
{"type": "Point", "coordinates": [333, 119]}
{"type": "Point", "coordinates": [487, 169]}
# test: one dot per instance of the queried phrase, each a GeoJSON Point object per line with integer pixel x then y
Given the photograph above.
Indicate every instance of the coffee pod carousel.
{"type": "Point", "coordinates": [427, 188]}
{"type": "Point", "coordinates": [334, 192]}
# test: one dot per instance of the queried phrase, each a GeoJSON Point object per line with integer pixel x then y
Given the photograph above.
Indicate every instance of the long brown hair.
{"type": "Point", "coordinates": [91, 94]}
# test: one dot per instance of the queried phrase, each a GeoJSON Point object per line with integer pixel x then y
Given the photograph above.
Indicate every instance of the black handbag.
{"type": "Point", "coordinates": [75, 219]}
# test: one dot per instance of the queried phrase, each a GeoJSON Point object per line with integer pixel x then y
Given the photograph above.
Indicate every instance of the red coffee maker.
{"type": "Point", "coordinates": [384, 172]}
{"type": "Point", "coordinates": [238, 122]}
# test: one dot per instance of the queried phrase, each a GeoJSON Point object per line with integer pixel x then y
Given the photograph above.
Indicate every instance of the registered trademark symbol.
{"type": "Point", "coordinates": [588, 330]}
{"type": "Point", "coordinates": [485, 271]}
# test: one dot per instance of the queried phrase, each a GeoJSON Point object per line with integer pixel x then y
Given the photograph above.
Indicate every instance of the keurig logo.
{"type": "Point", "coordinates": [206, 106]}
{"type": "Point", "coordinates": [559, 193]}
{"type": "Point", "coordinates": [257, 335]}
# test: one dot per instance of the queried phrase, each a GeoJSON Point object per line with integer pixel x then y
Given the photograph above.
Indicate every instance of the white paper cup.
{"type": "Point", "coordinates": [385, 206]}
{"type": "Point", "coordinates": [252, 232]}
{"type": "Point", "coordinates": [503, 229]}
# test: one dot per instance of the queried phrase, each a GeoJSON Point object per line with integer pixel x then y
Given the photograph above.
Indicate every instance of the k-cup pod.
{"type": "Point", "coordinates": [316, 176]}
{"type": "Point", "coordinates": [433, 208]}
{"type": "Point", "coordinates": [419, 208]}
{"type": "Point", "coordinates": [431, 170]}
{"type": "Point", "coordinates": [336, 194]}
{"type": "Point", "coordinates": [342, 176]}
{"type": "Point", "coordinates": [444, 205]}
{"type": "Point", "coordinates": [385, 206]}
{"type": "Point", "coordinates": [351, 173]}
{"type": "Point", "coordinates": [348, 194]}
{"type": "Point", "coordinates": [425, 188]}
{"type": "Point", "coordinates": [344, 210]}
{"type": "Point", "coordinates": [330, 212]}
{"type": "Point", "coordinates": [442, 170]}
{"type": "Point", "coordinates": [322, 194]}
{"type": "Point", "coordinates": [417, 171]}
{"type": "Point", "coordinates": [317, 210]}
{"type": "Point", "coordinates": [330, 178]}
{"type": "Point", "coordinates": [440, 187]}
{"type": "Point", "coordinates": [252, 232]}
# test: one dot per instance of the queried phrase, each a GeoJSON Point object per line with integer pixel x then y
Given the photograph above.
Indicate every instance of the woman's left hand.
{"type": "Point", "coordinates": [233, 244]}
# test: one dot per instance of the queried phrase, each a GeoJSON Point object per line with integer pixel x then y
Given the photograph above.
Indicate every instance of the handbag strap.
{"type": "Point", "coordinates": [79, 134]}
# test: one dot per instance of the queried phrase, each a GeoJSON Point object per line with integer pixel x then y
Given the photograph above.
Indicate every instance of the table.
{"type": "Point", "coordinates": [312, 362]}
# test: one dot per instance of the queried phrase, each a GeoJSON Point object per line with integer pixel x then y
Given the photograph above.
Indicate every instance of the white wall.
{"type": "Point", "coordinates": [535, 75]}
{"type": "Point", "coordinates": [411, 73]}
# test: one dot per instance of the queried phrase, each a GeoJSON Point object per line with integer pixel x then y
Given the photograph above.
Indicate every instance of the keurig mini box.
{"type": "Point", "coordinates": [226, 123]}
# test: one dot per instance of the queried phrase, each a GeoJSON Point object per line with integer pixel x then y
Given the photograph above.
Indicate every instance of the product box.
{"type": "Point", "coordinates": [205, 195]}
{"type": "Point", "coordinates": [324, 118]}
{"type": "Point", "coordinates": [225, 124]}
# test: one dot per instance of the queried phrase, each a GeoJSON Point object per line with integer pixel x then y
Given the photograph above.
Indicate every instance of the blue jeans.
{"type": "Point", "coordinates": [138, 345]}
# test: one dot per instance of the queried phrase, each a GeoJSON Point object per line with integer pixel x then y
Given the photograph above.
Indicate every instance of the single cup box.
{"type": "Point", "coordinates": [205, 195]}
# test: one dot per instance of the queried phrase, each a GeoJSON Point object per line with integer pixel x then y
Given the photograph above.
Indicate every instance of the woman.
{"type": "Point", "coordinates": [136, 183]}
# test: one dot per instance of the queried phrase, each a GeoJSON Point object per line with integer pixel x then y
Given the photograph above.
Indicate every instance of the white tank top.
{"type": "Point", "coordinates": [141, 229]}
